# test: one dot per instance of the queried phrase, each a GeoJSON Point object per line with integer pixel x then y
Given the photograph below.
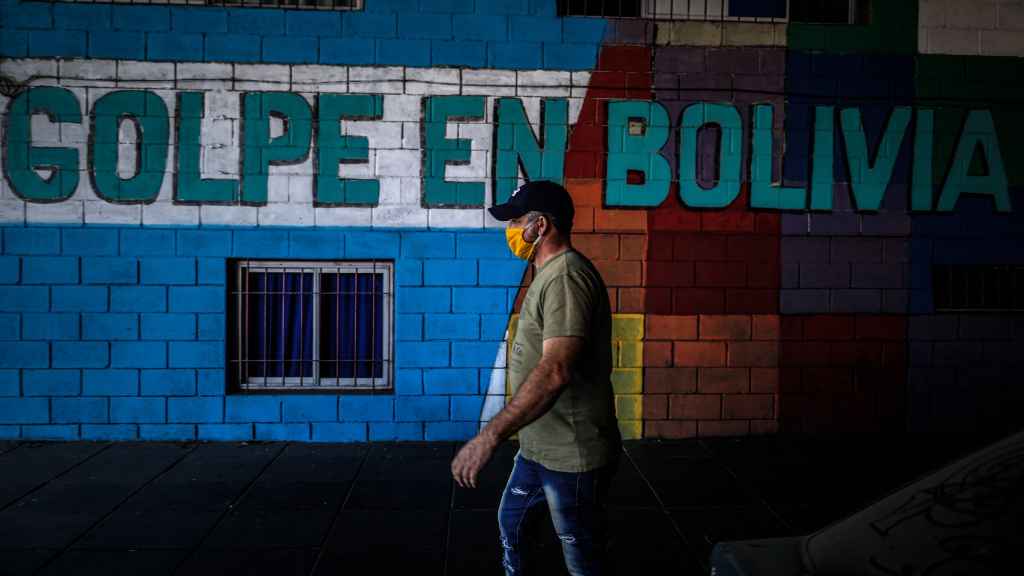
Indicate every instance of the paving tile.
{"type": "Point", "coordinates": [293, 503]}
{"type": "Point", "coordinates": [116, 562]}
{"type": "Point", "coordinates": [665, 449]}
{"type": "Point", "coordinates": [62, 510]}
{"type": "Point", "coordinates": [305, 476]}
{"type": "Point", "coordinates": [266, 528]}
{"type": "Point", "coordinates": [35, 463]}
{"type": "Point", "coordinates": [474, 548]}
{"type": "Point", "coordinates": [688, 482]}
{"type": "Point", "coordinates": [403, 512]}
{"type": "Point", "coordinates": [179, 508]}
{"type": "Point", "coordinates": [654, 549]}
{"type": "Point", "coordinates": [703, 527]}
{"type": "Point", "coordinates": [251, 562]}
{"type": "Point", "coordinates": [385, 542]}
{"type": "Point", "coordinates": [405, 477]}
{"type": "Point", "coordinates": [629, 488]}
{"type": "Point", "coordinates": [24, 562]}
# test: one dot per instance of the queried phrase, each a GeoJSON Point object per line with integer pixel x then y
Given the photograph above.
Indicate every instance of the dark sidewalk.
{"type": "Point", "coordinates": [391, 508]}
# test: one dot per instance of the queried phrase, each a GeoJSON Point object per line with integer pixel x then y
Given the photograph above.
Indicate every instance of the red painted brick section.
{"type": "Point", "coordinates": [881, 328]}
{"type": "Point", "coordinates": [723, 428]}
{"type": "Point", "coordinates": [804, 354]}
{"type": "Point", "coordinates": [700, 247]}
{"type": "Point", "coordinates": [751, 301]}
{"type": "Point", "coordinates": [677, 380]}
{"type": "Point", "coordinates": [721, 274]}
{"type": "Point", "coordinates": [764, 380]}
{"type": "Point", "coordinates": [620, 220]}
{"type": "Point", "coordinates": [619, 272]}
{"type": "Point", "coordinates": [695, 406]}
{"type": "Point", "coordinates": [724, 327]}
{"type": "Point", "coordinates": [631, 300]}
{"type": "Point", "coordinates": [670, 429]}
{"type": "Point", "coordinates": [658, 300]}
{"type": "Point", "coordinates": [828, 328]}
{"type": "Point", "coordinates": [791, 327]}
{"type": "Point", "coordinates": [698, 301]}
{"type": "Point", "coordinates": [671, 275]}
{"type": "Point", "coordinates": [728, 220]}
{"type": "Point", "coordinates": [655, 406]}
{"type": "Point", "coordinates": [657, 354]}
{"type": "Point", "coordinates": [597, 246]}
{"type": "Point", "coordinates": [856, 353]}
{"type": "Point", "coordinates": [748, 406]}
{"type": "Point", "coordinates": [671, 327]}
{"type": "Point", "coordinates": [699, 354]}
{"type": "Point", "coordinates": [756, 353]}
{"type": "Point", "coordinates": [723, 380]}
{"type": "Point", "coordinates": [632, 247]}
{"type": "Point", "coordinates": [766, 327]}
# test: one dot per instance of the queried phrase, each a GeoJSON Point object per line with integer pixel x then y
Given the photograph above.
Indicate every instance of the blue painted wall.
{"type": "Point", "coordinates": [510, 34]}
{"type": "Point", "coordinates": [118, 333]}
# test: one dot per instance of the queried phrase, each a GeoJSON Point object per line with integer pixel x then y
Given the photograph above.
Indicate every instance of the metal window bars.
{"type": "Point", "coordinates": [978, 288]}
{"type": "Point", "coordinates": [289, 4]}
{"type": "Point", "coordinates": [809, 11]}
{"type": "Point", "coordinates": [312, 325]}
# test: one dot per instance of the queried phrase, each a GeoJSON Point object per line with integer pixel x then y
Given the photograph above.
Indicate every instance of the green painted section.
{"type": "Point", "coordinates": [763, 194]}
{"type": "Point", "coordinates": [439, 151]}
{"type": "Point", "coordinates": [152, 122]}
{"type": "Point", "coordinates": [517, 145]}
{"type": "Point", "coordinates": [869, 177]}
{"type": "Point", "coordinates": [953, 85]}
{"type": "Point", "coordinates": [21, 158]}
{"type": "Point", "coordinates": [639, 153]}
{"type": "Point", "coordinates": [730, 150]}
{"type": "Point", "coordinates": [922, 183]}
{"type": "Point", "coordinates": [333, 150]}
{"type": "Point", "coordinates": [260, 149]}
{"type": "Point", "coordinates": [823, 161]}
{"type": "Point", "coordinates": [979, 133]}
{"type": "Point", "coordinates": [190, 186]}
{"type": "Point", "coordinates": [892, 29]}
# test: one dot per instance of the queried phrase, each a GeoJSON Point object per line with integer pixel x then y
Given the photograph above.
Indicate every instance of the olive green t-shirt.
{"type": "Point", "coordinates": [579, 433]}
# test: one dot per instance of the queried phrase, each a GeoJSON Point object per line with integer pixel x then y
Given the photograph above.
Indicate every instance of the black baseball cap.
{"type": "Point", "coordinates": [539, 196]}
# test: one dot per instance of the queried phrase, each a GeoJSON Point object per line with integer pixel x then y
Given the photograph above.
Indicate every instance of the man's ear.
{"type": "Point", "coordinates": [545, 227]}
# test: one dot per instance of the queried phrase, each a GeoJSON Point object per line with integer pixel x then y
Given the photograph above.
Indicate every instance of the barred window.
{"type": "Point", "coordinates": [311, 325]}
{"type": "Point", "coordinates": [963, 288]}
{"type": "Point", "coordinates": [294, 4]}
{"type": "Point", "coordinates": [807, 11]}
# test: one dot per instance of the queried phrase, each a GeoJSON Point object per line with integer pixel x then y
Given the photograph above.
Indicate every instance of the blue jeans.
{"type": "Point", "coordinates": [577, 505]}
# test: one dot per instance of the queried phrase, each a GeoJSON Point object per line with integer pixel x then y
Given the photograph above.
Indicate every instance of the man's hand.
{"type": "Point", "coordinates": [471, 459]}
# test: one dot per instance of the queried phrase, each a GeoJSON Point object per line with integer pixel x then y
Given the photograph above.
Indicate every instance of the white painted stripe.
{"type": "Point", "coordinates": [495, 399]}
{"type": "Point", "coordinates": [395, 141]}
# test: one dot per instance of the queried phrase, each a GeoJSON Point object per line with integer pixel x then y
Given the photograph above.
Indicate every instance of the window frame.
{"type": "Point", "coordinates": [649, 10]}
{"type": "Point", "coordinates": [962, 288]}
{"type": "Point", "coordinates": [237, 339]}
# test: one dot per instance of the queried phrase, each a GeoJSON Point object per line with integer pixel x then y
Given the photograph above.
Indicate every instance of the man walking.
{"type": "Point", "coordinates": [560, 374]}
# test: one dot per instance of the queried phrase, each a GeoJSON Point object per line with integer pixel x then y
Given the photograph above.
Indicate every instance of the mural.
{"type": "Point", "coordinates": [767, 205]}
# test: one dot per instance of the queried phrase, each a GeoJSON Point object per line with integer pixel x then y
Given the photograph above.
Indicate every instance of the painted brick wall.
{"type": "Point", "coordinates": [518, 34]}
{"type": "Point", "coordinates": [977, 28]}
{"type": "Point", "coordinates": [729, 321]}
{"type": "Point", "coordinates": [118, 333]}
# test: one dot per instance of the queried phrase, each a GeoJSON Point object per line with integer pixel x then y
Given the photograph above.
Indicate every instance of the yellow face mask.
{"type": "Point", "coordinates": [518, 245]}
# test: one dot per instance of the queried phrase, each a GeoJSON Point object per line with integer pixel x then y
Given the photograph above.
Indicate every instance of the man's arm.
{"type": "Point", "coordinates": [535, 396]}
{"type": "Point", "coordinates": [540, 390]}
